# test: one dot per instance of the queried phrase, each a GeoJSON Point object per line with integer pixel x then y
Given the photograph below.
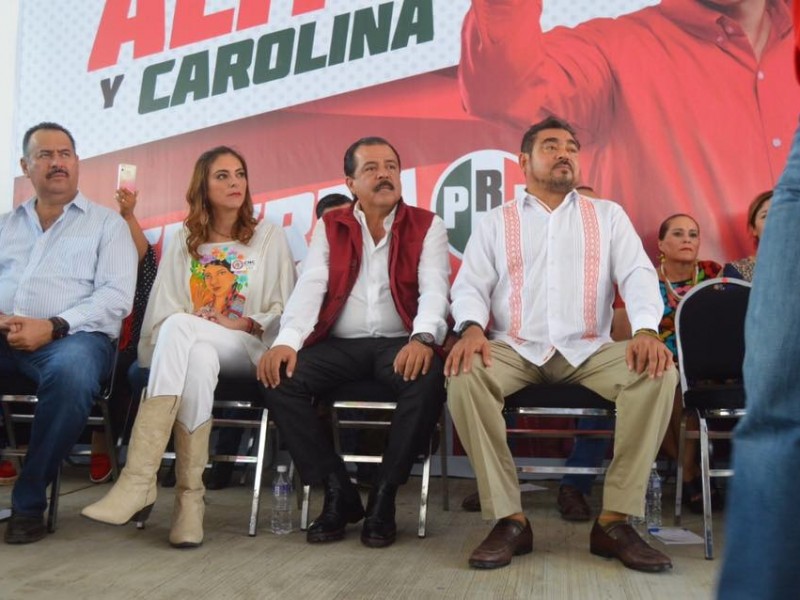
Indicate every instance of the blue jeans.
{"type": "Point", "coordinates": [588, 452]}
{"type": "Point", "coordinates": [69, 373]}
{"type": "Point", "coordinates": [763, 525]}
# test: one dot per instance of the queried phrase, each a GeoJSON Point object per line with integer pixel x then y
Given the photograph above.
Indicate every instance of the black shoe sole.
{"type": "Point", "coordinates": [186, 545]}
{"type": "Point", "coordinates": [25, 538]}
{"type": "Point", "coordinates": [378, 542]}
{"type": "Point", "coordinates": [321, 537]}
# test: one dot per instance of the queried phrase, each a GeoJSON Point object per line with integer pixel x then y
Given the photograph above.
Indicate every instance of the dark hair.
{"type": "Point", "coordinates": [26, 139]}
{"type": "Point", "coordinates": [549, 123]}
{"type": "Point", "coordinates": [350, 154]}
{"type": "Point", "coordinates": [331, 201]}
{"type": "Point", "coordinates": [756, 205]}
{"type": "Point", "coordinates": [664, 227]}
{"type": "Point", "coordinates": [198, 221]}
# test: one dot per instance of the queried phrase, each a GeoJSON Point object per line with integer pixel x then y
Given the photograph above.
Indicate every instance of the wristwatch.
{"type": "Point", "coordinates": [467, 325]}
{"type": "Point", "coordinates": [60, 327]}
{"type": "Point", "coordinates": [424, 338]}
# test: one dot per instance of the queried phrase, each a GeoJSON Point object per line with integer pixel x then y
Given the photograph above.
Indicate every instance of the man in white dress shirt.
{"type": "Point", "coordinates": [371, 304]}
{"type": "Point", "coordinates": [66, 282]}
{"type": "Point", "coordinates": [533, 303]}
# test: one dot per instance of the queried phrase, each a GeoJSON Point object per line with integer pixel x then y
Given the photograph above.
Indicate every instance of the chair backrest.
{"type": "Point", "coordinates": [709, 332]}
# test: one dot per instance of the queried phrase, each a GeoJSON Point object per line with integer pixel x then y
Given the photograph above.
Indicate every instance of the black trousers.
{"type": "Point", "coordinates": [327, 365]}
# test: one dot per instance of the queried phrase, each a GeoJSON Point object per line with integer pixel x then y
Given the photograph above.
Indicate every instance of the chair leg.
{"type": "Point", "coordinates": [262, 448]}
{"type": "Point", "coordinates": [304, 509]}
{"type": "Point", "coordinates": [443, 461]}
{"type": "Point", "coordinates": [679, 470]}
{"type": "Point", "coordinates": [423, 496]}
{"type": "Point", "coordinates": [52, 509]}
{"type": "Point", "coordinates": [112, 448]}
{"type": "Point", "coordinates": [704, 471]}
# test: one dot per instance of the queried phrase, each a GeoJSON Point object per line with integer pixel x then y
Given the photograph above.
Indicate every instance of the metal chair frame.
{"type": "Point", "coordinates": [226, 388]}
{"type": "Point", "coordinates": [339, 424]}
{"type": "Point", "coordinates": [589, 404]}
{"type": "Point", "coordinates": [23, 391]}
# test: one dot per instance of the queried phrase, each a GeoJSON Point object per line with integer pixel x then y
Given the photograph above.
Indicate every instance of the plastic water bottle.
{"type": "Point", "coordinates": [281, 523]}
{"type": "Point", "coordinates": [652, 514]}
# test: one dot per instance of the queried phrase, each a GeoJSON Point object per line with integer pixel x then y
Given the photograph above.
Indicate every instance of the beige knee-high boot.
{"type": "Point", "coordinates": [132, 497]}
{"type": "Point", "coordinates": [191, 452]}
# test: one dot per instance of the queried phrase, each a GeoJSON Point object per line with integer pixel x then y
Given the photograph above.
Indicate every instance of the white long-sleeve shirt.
{"type": "Point", "coordinates": [370, 309]}
{"type": "Point", "coordinates": [82, 269]}
{"type": "Point", "coordinates": [271, 279]}
{"type": "Point", "coordinates": [546, 278]}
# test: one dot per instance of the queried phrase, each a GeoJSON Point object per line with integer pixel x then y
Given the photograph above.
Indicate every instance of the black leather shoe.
{"type": "Point", "coordinates": [342, 506]}
{"type": "Point", "coordinates": [380, 529]}
{"type": "Point", "coordinates": [24, 530]}
{"type": "Point", "coordinates": [219, 477]}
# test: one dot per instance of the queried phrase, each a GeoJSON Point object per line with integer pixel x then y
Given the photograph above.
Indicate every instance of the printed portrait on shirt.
{"type": "Point", "coordinates": [219, 281]}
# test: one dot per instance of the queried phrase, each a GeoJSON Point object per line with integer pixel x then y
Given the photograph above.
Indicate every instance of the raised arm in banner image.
{"type": "Point", "coordinates": [691, 99]}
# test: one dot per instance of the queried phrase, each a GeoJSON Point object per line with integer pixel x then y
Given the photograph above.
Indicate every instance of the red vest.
{"type": "Point", "coordinates": [410, 226]}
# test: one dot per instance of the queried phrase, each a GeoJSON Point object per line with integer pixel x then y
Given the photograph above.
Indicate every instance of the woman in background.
{"type": "Point", "coordinates": [679, 271]}
{"type": "Point", "coordinates": [756, 218]}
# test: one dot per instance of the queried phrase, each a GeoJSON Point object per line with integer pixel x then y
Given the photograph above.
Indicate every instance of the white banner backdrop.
{"type": "Point", "coordinates": [120, 73]}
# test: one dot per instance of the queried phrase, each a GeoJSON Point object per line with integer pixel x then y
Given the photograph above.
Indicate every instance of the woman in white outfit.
{"type": "Point", "coordinates": [214, 309]}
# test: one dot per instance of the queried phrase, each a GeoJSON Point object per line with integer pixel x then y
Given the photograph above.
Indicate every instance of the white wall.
{"type": "Point", "coordinates": [9, 11]}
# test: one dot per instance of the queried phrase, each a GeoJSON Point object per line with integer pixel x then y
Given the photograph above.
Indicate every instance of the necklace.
{"type": "Point", "coordinates": [671, 289]}
{"type": "Point", "coordinates": [225, 235]}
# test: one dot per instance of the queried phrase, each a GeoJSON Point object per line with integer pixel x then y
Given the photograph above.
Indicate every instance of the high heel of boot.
{"type": "Point", "coordinates": [141, 517]}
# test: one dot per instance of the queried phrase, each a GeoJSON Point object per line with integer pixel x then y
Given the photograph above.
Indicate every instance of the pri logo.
{"type": "Point", "coordinates": [472, 186]}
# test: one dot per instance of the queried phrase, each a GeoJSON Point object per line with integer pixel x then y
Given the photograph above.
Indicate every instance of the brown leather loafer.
{"type": "Point", "coordinates": [620, 540]}
{"type": "Point", "coordinates": [472, 503]}
{"type": "Point", "coordinates": [572, 504]}
{"type": "Point", "coordinates": [509, 538]}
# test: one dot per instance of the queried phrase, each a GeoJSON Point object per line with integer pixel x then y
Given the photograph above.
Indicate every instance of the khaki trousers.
{"type": "Point", "coordinates": [644, 406]}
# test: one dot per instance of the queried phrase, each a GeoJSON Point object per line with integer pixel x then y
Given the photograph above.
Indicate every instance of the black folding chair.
{"type": "Point", "coordinates": [709, 329]}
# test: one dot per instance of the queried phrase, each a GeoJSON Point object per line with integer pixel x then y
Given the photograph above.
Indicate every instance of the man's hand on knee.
{"type": "Point", "coordinates": [414, 358]}
{"type": "Point", "coordinates": [646, 352]}
{"type": "Point", "coordinates": [269, 367]}
{"type": "Point", "coordinates": [473, 341]}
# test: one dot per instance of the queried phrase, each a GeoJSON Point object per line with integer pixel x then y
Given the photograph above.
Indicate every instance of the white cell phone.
{"type": "Point", "coordinates": [126, 177]}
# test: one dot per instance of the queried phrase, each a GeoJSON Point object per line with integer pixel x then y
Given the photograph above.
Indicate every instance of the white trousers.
{"type": "Point", "coordinates": [190, 354]}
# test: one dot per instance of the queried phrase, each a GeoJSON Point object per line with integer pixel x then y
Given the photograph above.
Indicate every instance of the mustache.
{"type": "Point", "coordinates": [564, 162]}
{"type": "Point", "coordinates": [384, 185]}
{"type": "Point", "coordinates": [57, 171]}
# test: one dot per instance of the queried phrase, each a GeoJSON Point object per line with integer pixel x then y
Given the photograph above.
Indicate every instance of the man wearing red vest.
{"type": "Point", "coordinates": [370, 304]}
